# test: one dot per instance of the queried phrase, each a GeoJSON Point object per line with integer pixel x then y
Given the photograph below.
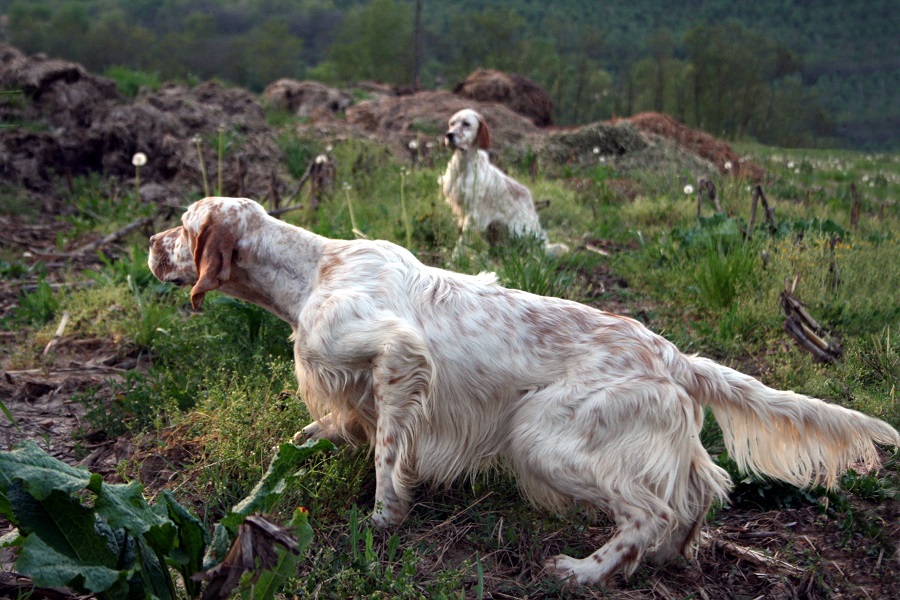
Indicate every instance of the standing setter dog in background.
{"type": "Point", "coordinates": [445, 375]}
{"type": "Point", "coordinates": [484, 198]}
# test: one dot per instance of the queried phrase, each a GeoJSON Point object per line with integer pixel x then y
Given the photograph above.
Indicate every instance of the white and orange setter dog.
{"type": "Point", "coordinates": [447, 374]}
{"type": "Point", "coordinates": [482, 196]}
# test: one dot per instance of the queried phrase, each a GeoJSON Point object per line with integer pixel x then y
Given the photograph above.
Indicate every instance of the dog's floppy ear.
{"type": "Point", "coordinates": [213, 250]}
{"type": "Point", "coordinates": [483, 139]}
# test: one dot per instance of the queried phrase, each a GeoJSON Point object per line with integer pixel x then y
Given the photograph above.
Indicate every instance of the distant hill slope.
{"type": "Point", "coordinates": [850, 50]}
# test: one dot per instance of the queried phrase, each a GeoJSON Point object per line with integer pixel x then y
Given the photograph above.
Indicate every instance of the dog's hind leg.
{"type": "Point", "coordinates": [640, 524]}
{"type": "Point", "coordinates": [401, 383]}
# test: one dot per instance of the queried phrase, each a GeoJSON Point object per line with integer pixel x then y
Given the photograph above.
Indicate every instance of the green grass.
{"type": "Point", "coordinates": [222, 383]}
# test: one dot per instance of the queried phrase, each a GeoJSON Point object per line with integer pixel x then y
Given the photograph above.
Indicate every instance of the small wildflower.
{"type": "Point", "coordinates": [596, 149]}
{"type": "Point", "coordinates": [321, 159]}
{"type": "Point", "coordinates": [728, 165]}
{"type": "Point", "coordinates": [329, 148]}
{"type": "Point", "coordinates": [403, 170]}
{"type": "Point", "coordinates": [688, 189]}
{"type": "Point", "coordinates": [602, 159]}
{"type": "Point", "coordinates": [196, 139]}
{"type": "Point", "coordinates": [748, 188]}
{"type": "Point", "coordinates": [796, 171]}
{"type": "Point", "coordinates": [346, 186]}
{"type": "Point", "coordinates": [790, 164]}
{"type": "Point", "coordinates": [865, 178]}
{"type": "Point", "coordinates": [429, 144]}
{"type": "Point", "coordinates": [139, 159]}
{"type": "Point", "coordinates": [413, 145]}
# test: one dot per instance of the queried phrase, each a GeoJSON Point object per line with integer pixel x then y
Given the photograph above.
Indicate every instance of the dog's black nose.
{"type": "Point", "coordinates": [450, 139]}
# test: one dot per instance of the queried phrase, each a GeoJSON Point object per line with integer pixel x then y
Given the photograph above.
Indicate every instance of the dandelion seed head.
{"type": "Point", "coordinates": [790, 164]}
{"type": "Point", "coordinates": [688, 189]}
{"type": "Point", "coordinates": [728, 165]}
{"type": "Point", "coordinates": [321, 159]}
{"type": "Point", "coordinates": [796, 171]}
{"type": "Point", "coordinates": [413, 145]}
{"type": "Point", "coordinates": [329, 148]}
{"type": "Point", "coordinates": [196, 139]}
{"type": "Point", "coordinates": [139, 159]}
{"type": "Point", "coordinates": [596, 149]}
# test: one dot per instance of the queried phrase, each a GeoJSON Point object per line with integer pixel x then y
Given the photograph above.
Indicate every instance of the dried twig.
{"type": "Point", "coordinates": [811, 336]}
{"type": "Point", "coordinates": [59, 333]}
{"type": "Point", "coordinates": [769, 212]}
{"type": "Point", "coordinates": [750, 555]}
{"type": "Point", "coordinates": [114, 236]}
{"type": "Point", "coordinates": [281, 211]}
{"type": "Point", "coordinates": [705, 186]}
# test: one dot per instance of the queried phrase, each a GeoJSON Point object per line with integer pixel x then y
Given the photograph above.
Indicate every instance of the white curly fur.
{"type": "Point", "coordinates": [446, 374]}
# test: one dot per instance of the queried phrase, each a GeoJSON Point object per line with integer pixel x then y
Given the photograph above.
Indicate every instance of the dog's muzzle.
{"type": "Point", "coordinates": [450, 139]}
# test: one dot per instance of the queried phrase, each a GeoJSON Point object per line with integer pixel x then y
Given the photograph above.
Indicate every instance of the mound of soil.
{"type": "Point", "coordinates": [696, 142]}
{"type": "Point", "coordinates": [520, 94]}
{"type": "Point", "coordinates": [306, 98]}
{"type": "Point", "coordinates": [84, 126]}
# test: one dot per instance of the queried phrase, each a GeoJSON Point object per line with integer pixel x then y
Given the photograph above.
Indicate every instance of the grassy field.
{"type": "Point", "coordinates": [221, 383]}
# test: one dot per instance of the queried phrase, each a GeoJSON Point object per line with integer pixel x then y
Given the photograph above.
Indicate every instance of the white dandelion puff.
{"type": "Point", "coordinates": [321, 159]}
{"type": "Point", "coordinates": [728, 165]}
{"type": "Point", "coordinates": [139, 159]}
{"type": "Point", "coordinates": [688, 189]}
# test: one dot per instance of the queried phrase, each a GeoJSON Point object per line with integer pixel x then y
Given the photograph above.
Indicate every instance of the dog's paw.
{"type": "Point", "coordinates": [311, 431]}
{"type": "Point", "coordinates": [385, 516]}
{"type": "Point", "coordinates": [562, 567]}
{"type": "Point", "coordinates": [575, 571]}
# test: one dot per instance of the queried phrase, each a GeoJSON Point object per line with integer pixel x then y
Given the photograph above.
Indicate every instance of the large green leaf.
{"type": "Point", "coordinates": [41, 474]}
{"type": "Point", "coordinates": [124, 506]}
{"type": "Point", "coordinates": [154, 574]}
{"type": "Point", "coordinates": [190, 543]}
{"type": "Point", "coordinates": [270, 582]}
{"type": "Point", "coordinates": [66, 544]}
{"type": "Point", "coordinates": [64, 525]}
{"type": "Point", "coordinates": [283, 468]}
{"type": "Point", "coordinates": [49, 568]}
{"type": "Point", "coordinates": [218, 548]}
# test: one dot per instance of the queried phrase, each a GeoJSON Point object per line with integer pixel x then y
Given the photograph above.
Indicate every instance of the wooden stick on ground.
{"type": "Point", "coordinates": [800, 325]}
{"type": "Point", "coordinates": [114, 236]}
{"type": "Point", "coordinates": [59, 333]}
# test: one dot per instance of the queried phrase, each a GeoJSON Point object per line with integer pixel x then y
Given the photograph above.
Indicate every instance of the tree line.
{"type": "Point", "coordinates": [721, 76]}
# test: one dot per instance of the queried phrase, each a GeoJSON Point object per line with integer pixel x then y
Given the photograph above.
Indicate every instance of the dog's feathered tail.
{"type": "Point", "coordinates": [797, 439]}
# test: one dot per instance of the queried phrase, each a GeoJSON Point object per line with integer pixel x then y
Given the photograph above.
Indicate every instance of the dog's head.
{"type": "Point", "coordinates": [200, 252]}
{"type": "Point", "coordinates": [467, 129]}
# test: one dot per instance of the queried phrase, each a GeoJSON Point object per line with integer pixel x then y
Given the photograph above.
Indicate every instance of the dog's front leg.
{"type": "Point", "coordinates": [401, 382]}
{"type": "Point", "coordinates": [325, 428]}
